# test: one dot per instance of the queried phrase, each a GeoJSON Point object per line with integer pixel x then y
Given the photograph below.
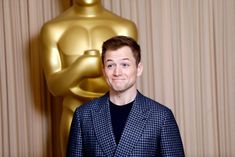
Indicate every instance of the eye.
{"type": "Point", "coordinates": [110, 66]}
{"type": "Point", "coordinates": [125, 65]}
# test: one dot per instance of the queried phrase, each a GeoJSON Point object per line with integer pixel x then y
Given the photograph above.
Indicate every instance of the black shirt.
{"type": "Point", "coordinates": [119, 116]}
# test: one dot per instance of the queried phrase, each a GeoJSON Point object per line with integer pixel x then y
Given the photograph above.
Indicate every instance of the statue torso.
{"type": "Point", "coordinates": [74, 35]}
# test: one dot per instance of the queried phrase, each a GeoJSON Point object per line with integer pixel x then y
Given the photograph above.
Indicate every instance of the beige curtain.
{"type": "Point", "coordinates": [188, 54]}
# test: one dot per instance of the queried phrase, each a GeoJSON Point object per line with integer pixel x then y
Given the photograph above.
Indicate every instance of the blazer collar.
{"type": "Point", "coordinates": [133, 129]}
{"type": "Point", "coordinates": [103, 125]}
{"type": "Point", "coordinates": [134, 126]}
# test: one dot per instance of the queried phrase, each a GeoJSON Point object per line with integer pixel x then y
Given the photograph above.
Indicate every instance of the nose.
{"type": "Point", "coordinates": [117, 71]}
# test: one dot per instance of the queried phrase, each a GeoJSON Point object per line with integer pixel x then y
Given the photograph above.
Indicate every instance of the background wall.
{"type": "Point", "coordinates": [188, 53]}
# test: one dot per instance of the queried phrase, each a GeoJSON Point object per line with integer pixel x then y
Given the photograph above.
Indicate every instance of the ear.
{"type": "Point", "coordinates": [139, 69]}
{"type": "Point", "coordinates": [103, 71]}
{"type": "Point", "coordinates": [102, 68]}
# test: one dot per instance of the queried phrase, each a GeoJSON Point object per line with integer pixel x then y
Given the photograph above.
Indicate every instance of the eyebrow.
{"type": "Point", "coordinates": [125, 59]}
{"type": "Point", "coordinates": [108, 60]}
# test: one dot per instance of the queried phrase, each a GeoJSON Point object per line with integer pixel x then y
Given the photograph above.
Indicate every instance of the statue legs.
{"type": "Point", "coordinates": [70, 103]}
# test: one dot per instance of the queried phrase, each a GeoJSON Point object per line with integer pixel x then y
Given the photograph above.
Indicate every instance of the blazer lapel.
{"type": "Point", "coordinates": [103, 126]}
{"type": "Point", "coordinates": [134, 127]}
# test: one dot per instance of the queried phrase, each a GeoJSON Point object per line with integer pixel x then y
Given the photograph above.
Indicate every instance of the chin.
{"type": "Point", "coordinates": [115, 90]}
{"type": "Point", "coordinates": [119, 90]}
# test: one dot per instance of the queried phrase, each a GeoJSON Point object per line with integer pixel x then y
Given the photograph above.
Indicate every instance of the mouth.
{"type": "Point", "coordinates": [118, 79]}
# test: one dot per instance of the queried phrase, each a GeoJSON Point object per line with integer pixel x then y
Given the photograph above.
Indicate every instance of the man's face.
{"type": "Point", "coordinates": [120, 69]}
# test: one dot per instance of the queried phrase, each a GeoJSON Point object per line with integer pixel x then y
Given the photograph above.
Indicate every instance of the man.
{"type": "Point", "coordinates": [123, 122]}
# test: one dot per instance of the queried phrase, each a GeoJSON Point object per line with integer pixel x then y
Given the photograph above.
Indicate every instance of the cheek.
{"type": "Point", "coordinates": [106, 73]}
{"type": "Point", "coordinates": [133, 73]}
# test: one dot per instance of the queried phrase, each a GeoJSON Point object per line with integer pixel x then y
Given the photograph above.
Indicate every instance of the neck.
{"type": "Point", "coordinates": [122, 98]}
{"type": "Point", "coordinates": [88, 10]}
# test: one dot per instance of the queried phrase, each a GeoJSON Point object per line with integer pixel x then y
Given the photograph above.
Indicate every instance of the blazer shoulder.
{"type": "Point", "coordinates": [154, 105]}
{"type": "Point", "coordinates": [93, 104]}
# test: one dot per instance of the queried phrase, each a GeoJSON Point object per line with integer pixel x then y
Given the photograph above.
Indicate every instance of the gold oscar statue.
{"type": "Point", "coordinates": [71, 46]}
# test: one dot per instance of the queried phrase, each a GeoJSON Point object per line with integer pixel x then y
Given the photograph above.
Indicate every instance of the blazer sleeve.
{"type": "Point", "coordinates": [171, 143]}
{"type": "Point", "coordinates": [74, 148]}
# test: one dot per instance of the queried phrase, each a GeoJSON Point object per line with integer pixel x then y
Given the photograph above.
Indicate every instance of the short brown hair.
{"type": "Point", "coordinates": [117, 42]}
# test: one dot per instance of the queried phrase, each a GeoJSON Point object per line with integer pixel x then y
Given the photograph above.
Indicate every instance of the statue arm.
{"type": "Point", "coordinates": [60, 79]}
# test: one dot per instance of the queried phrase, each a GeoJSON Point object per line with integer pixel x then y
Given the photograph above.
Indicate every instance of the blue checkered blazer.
{"type": "Point", "coordinates": [150, 130]}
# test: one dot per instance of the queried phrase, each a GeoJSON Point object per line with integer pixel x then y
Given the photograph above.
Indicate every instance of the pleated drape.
{"type": "Point", "coordinates": [188, 56]}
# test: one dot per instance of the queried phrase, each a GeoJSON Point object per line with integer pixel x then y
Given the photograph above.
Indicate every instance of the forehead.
{"type": "Point", "coordinates": [123, 52]}
{"type": "Point", "coordinates": [86, 1]}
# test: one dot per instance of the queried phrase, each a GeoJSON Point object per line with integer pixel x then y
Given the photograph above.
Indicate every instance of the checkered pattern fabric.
{"type": "Point", "coordinates": [150, 130]}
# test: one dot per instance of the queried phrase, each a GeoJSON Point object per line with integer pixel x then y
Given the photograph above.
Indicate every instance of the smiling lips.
{"type": "Point", "coordinates": [118, 79]}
